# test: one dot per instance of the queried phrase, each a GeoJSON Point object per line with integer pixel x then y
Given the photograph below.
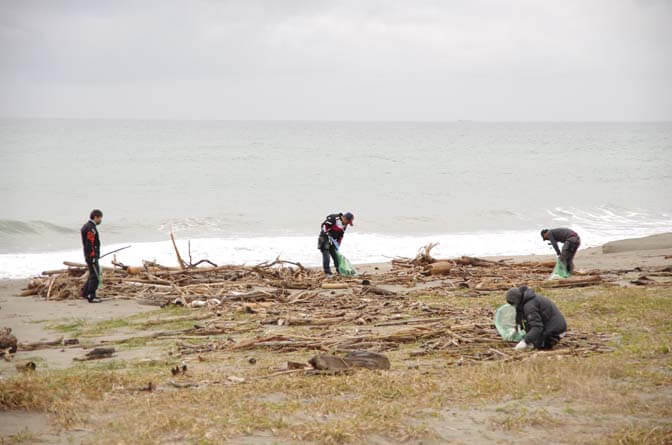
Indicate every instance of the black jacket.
{"type": "Point", "coordinates": [539, 316]}
{"type": "Point", "coordinates": [331, 227]}
{"type": "Point", "coordinates": [90, 242]}
{"type": "Point", "coordinates": [560, 235]}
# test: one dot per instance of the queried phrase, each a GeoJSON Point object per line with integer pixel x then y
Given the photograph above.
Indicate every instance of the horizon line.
{"type": "Point", "coordinates": [353, 121]}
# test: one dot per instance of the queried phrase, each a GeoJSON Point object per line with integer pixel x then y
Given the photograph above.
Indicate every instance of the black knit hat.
{"type": "Point", "coordinates": [514, 296]}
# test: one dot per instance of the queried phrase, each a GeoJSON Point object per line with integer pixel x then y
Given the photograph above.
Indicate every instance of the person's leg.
{"type": "Point", "coordinates": [574, 244]}
{"type": "Point", "coordinates": [332, 252]}
{"type": "Point", "coordinates": [551, 337]}
{"type": "Point", "coordinates": [94, 270]}
{"type": "Point", "coordinates": [325, 261]}
{"type": "Point", "coordinates": [88, 285]}
{"type": "Point", "coordinates": [564, 255]}
{"type": "Point", "coordinates": [549, 342]}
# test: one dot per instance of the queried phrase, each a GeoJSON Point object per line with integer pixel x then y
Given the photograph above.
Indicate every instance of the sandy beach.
{"type": "Point", "coordinates": [22, 313]}
{"type": "Point", "coordinates": [34, 320]}
{"type": "Point", "coordinates": [635, 252]}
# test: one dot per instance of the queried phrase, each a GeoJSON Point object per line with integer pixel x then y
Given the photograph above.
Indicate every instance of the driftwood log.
{"type": "Point", "coordinates": [355, 359]}
{"type": "Point", "coordinates": [95, 354]}
{"type": "Point", "coordinates": [7, 340]}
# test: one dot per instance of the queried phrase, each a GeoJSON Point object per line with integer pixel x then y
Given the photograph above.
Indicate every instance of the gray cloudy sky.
{"type": "Point", "coordinates": [337, 60]}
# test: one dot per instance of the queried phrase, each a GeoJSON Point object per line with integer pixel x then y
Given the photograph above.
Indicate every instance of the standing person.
{"type": "Point", "coordinates": [91, 244]}
{"type": "Point", "coordinates": [570, 244]}
{"type": "Point", "coordinates": [331, 236]}
{"type": "Point", "coordinates": [543, 322]}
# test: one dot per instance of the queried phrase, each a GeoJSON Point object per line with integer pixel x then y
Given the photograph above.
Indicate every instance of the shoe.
{"type": "Point", "coordinates": [94, 300]}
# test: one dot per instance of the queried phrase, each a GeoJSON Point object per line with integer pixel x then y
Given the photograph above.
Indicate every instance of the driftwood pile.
{"type": "Point", "coordinates": [157, 284]}
{"type": "Point", "coordinates": [359, 322]}
{"type": "Point", "coordinates": [483, 275]}
{"type": "Point", "coordinates": [206, 284]}
{"type": "Point", "coordinates": [289, 307]}
{"type": "Point", "coordinates": [486, 275]}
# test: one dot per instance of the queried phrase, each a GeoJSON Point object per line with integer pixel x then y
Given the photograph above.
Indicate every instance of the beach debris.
{"type": "Point", "coordinates": [355, 359]}
{"type": "Point", "coordinates": [204, 284]}
{"type": "Point", "coordinates": [149, 388]}
{"type": "Point", "coordinates": [335, 286]}
{"type": "Point", "coordinates": [7, 339]}
{"type": "Point", "coordinates": [328, 362]}
{"type": "Point", "coordinates": [283, 307]}
{"type": "Point", "coordinates": [183, 385]}
{"type": "Point", "coordinates": [27, 366]}
{"type": "Point", "coordinates": [8, 343]}
{"type": "Point", "coordinates": [47, 344]}
{"type": "Point", "coordinates": [297, 365]}
{"type": "Point", "coordinates": [96, 354]}
{"type": "Point", "coordinates": [179, 369]}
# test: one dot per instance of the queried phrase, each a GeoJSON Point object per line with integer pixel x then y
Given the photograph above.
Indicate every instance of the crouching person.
{"type": "Point", "coordinates": [543, 322]}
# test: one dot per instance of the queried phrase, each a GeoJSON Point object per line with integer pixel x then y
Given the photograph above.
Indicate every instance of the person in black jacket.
{"type": "Point", "coordinates": [91, 244]}
{"type": "Point", "coordinates": [570, 244]}
{"type": "Point", "coordinates": [331, 236]}
{"type": "Point", "coordinates": [543, 322]}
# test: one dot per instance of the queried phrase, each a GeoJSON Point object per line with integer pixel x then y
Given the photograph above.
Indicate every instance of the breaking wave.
{"type": "Point", "coordinates": [14, 227]}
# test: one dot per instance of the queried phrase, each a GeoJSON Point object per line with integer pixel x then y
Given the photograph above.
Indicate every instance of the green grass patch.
{"type": "Point", "coordinates": [84, 328]}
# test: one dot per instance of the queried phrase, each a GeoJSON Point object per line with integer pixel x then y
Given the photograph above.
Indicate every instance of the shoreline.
{"type": "Point", "coordinates": [360, 249]}
{"type": "Point", "coordinates": [628, 252]}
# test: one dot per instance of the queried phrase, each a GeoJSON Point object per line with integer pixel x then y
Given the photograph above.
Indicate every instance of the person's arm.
{"type": "Point", "coordinates": [97, 245]}
{"type": "Point", "coordinates": [90, 244]}
{"type": "Point", "coordinates": [328, 224]}
{"type": "Point", "coordinates": [535, 325]}
{"type": "Point", "coordinates": [554, 242]}
{"type": "Point", "coordinates": [336, 233]}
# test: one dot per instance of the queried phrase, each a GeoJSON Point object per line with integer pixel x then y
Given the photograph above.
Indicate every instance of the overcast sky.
{"type": "Point", "coordinates": [337, 60]}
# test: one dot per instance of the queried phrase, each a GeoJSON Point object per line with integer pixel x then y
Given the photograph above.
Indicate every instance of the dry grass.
{"type": "Point", "coordinates": [78, 327]}
{"type": "Point", "coordinates": [23, 437]}
{"type": "Point", "coordinates": [633, 384]}
{"type": "Point", "coordinates": [640, 434]}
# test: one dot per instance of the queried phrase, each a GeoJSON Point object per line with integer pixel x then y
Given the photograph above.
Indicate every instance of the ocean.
{"type": "Point", "coordinates": [246, 192]}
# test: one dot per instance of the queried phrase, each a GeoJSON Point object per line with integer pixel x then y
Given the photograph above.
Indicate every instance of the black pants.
{"type": "Point", "coordinates": [569, 249]}
{"type": "Point", "coordinates": [91, 285]}
{"type": "Point", "coordinates": [326, 253]}
{"type": "Point", "coordinates": [548, 340]}
{"type": "Point", "coordinates": [550, 336]}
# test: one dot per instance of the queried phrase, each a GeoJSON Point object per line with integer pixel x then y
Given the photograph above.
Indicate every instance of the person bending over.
{"type": "Point", "coordinates": [543, 322]}
{"type": "Point", "coordinates": [570, 244]}
{"type": "Point", "coordinates": [91, 244]}
{"type": "Point", "coordinates": [331, 236]}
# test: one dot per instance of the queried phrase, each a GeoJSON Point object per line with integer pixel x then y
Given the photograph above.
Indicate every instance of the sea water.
{"type": "Point", "coordinates": [246, 192]}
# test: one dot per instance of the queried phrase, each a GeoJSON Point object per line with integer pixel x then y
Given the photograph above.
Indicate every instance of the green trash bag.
{"type": "Point", "coordinates": [505, 323]}
{"type": "Point", "coordinates": [345, 268]}
{"type": "Point", "coordinates": [560, 271]}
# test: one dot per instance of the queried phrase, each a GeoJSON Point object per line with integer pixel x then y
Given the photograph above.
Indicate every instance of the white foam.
{"type": "Point", "coordinates": [359, 248]}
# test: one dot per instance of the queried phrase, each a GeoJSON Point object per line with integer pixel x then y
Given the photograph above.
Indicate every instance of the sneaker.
{"type": "Point", "coordinates": [94, 300]}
